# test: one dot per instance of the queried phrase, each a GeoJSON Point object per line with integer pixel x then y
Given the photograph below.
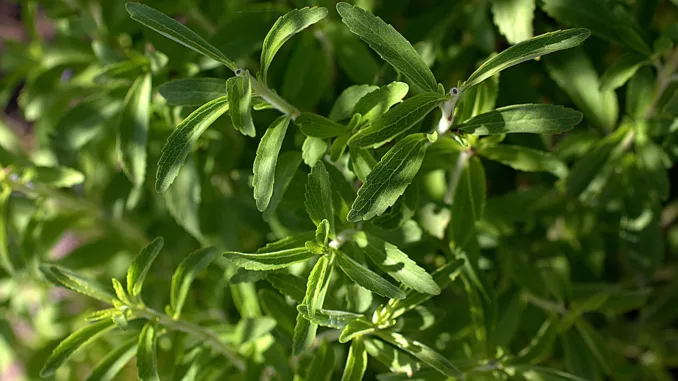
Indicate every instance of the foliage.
{"type": "Point", "coordinates": [425, 190]}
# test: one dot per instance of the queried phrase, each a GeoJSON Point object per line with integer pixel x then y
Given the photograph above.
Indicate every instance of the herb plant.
{"type": "Point", "coordinates": [489, 203]}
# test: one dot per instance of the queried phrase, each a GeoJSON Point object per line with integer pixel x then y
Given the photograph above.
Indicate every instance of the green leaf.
{"type": "Point", "coordinates": [60, 177]}
{"type": "Point", "coordinates": [313, 150]}
{"type": "Point", "coordinates": [109, 367]}
{"type": "Point", "coordinates": [285, 168]}
{"type": "Point", "coordinates": [240, 99]}
{"type": "Point", "coordinates": [389, 44]}
{"type": "Point", "coordinates": [514, 18]}
{"type": "Point", "coordinates": [597, 344]}
{"type": "Point", "coordinates": [78, 283]}
{"type": "Point", "coordinates": [133, 130]}
{"type": "Point", "coordinates": [304, 334]}
{"type": "Point", "coordinates": [317, 284]}
{"type": "Point", "coordinates": [422, 352]}
{"type": "Point", "coordinates": [322, 364]}
{"type": "Point", "coordinates": [288, 284]}
{"type": "Point", "coordinates": [540, 345]}
{"type": "Point", "coordinates": [345, 104]}
{"type": "Point", "coordinates": [266, 160]}
{"type": "Point", "coordinates": [176, 31]}
{"type": "Point", "coordinates": [181, 141]}
{"type": "Point", "coordinates": [639, 92]}
{"type": "Point", "coordinates": [322, 233]}
{"type": "Point", "coordinates": [389, 178]}
{"type": "Point", "coordinates": [540, 373]}
{"type": "Point", "coordinates": [183, 199]}
{"type": "Point", "coordinates": [193, 91]}
{"type": "Point", "coordinates": [621, 71]}
{"type": "Point", "coordinates": [525, 51]}
{"type": "Point", "coordinates": [356, 363]}
{"type": "Point", "coordinates": [574, 72]}
{"type": "Point", "coordinates": [355, 59]}
{"type": "Point", "coordinates": [307, 75]}
{"type": "Point", "coordinates": [73, 344]}
{"type": "Point", "coordinates": [601, 19]}
{"type": "Point", "coordinates": [395, 263]}
{"type": "Point", "coordinates": [188, 269]}
{"type": "Point", "coordinates": [362, 162]}
{"type": "Point", "coordinates": [284, 28]}
{"type": "Point", "coordinates": [147, 363]}
{"type": "Point", "coordinates": [376, 103]}
{"type": "Point", "coordinates": [355, 328]}
{"type": "Point", "coordinates": [275, 306]}
{"type": "Point", "coordinates": [525, 159]}
{"type": "Point", "coordinates": [142, 263]}
{"type": "Point", "coordinates": [468, 202]}
{"type": "Point", "coordinates": [328, 318]}
{"type": "Point", "coordinates": [120, 292]}
{"type": "Point", "coordinates": [396, 361]}
{"type": "Point", "coordinates": [318, 126]}
{"type": "Point", "coordinates": [396, 121]}
{"type": "Point", "coordinates": [367, 278]}
{"type": "Point", "coordinates": [527, 118]}
{"type": "Point", "coordinates": [269, 261]}
{"type": "Point", "coordinates": [319, 196]}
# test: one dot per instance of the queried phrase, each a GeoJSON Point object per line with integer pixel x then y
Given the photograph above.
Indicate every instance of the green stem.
{"type": "Point", "coordinates": [192, 329]}
{"type": "Point", "coordinates": [273, 98]}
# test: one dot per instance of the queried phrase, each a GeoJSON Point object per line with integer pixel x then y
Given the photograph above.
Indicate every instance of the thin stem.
{"type": "Point", "coordinates": [273, 98]}
{"type": "Point", "coordinates": [447, 117]}
{"type": "Point", "coordinates": [664, 78]}
{"type": "Point", "coordinates": [192, 329]}
{"type": "Point", "coordinates": [544, 304]}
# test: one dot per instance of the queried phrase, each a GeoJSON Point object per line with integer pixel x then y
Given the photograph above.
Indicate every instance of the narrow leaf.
{"type": "Point", "coordinates": [345, 104]}
{"type": "Point", "coordinates": [240, 100]}
{"type": "Point", "coordinates": [188, 269]}
{"type": "Point", "coordinates": [147, 363]}
{"type": "Point", "coordinates": [319, 196]}
{"type": "Point", "coordinates": [525, 159]}
{"type": "Point", "coordinates": [318, 126]}
{"type": "Point", "coordinates": [286, 167]}
{"type": "Point", "coordinates": [266, 160]}
{"type": "Point", "coordinates": [422, 352]}
{"type": "Point", "coordinates": [269, 261]}
{"type": "Point", "coordinates": [328, 318]}
{"type": "Point", "coordinates": [181, 141]}
{"type": "Point", "coordinates": [78, 283]}
{"type": "Point", "coordinates": [397, 120]}
{"type": "Point", "coordinates": [356, 328]}
{"type": "Point", "coordinates": [525, 51]}
{"type": "Point", "coordinates": [304, 334]}
{"type": "Point", "coordinates": [287, 26]}
{"type": "Point", "coordinates": [288, 284]}
{"type": "Point", "coordinates": [356, 363]}
{"type": "Point", "coordinates": [389, 178]}
{"type": "Point", "coordinates": [389, 44]}
{"type": "Point", "coordinates": [176, 31]}
{"type": "Point", "coordinates": [376, 103]}
{"type": "Point", "coordinates": [192, 91]}
{"type": "Point", "coordinates": [183, 199]}
{"type": "Point", "coordinates": [317, 283]}
{"type": "Point", "coordinates": [133, 129]}
{"type": "Point", "coordinates": [528, 118]}
{"type": "Point", "coordinates": [322, 365]}
{"type": "Point", "coordinates": [109, 367]}
{"type": "Point", "coordinates": [74, 343]}
{"type": "Point", "coordinates": [621, 71]}
{"type": "Point", "coordinates": [142, 263]}
{"type": "Point", "coordinates": [367, 278]}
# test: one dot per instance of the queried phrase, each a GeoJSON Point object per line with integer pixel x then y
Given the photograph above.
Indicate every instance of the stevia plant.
{"type": "Point", "coordinates": [398, 247]}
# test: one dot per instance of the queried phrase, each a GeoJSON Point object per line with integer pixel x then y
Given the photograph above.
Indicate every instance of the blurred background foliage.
{"type": "Point", "coordinates": [583, 263]}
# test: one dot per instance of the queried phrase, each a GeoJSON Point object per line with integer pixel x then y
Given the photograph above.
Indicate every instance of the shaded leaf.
{"type": "Point", "coordinates": [378, 102]}
{"type": "Point", "coordinates": [422, 352]}
{"type": "Point", "coordinates": [319, 196]}
{"type": "Point", "coordinates": [328, 318]}
{"type": "Point", "coordinates": [344, 106]}
{"type": "Point", "coordinates": [266, 160]}
{"type": "Point", "coordinates": [318, 126]}
{"type": "Point", "coordinates": [109, 367]}
{"type": "Point", "coordinates": [367, 278]}
{"type": "Point", "coordinates": [269, 261]}
{"type": "Point", "coordinates": [188, 269]}
{"type": "Point", "coordinates": [240, 100]}
{"type": "Point", "coordinates": [78, 283]}
{"type": "Point", "coordinates": [142, 263]}
{"type": "Point", "coordinates": [525, 159]}
{"type": "Point", "coordinates": [528, 118]}
{"type": "Point", "coordinates": [514, 18]}
{"type": "Point", "coordinates": [147, 363]}
{"type": "Point", "coordinates": [356, 363]}
{"type": "Point", "coordinates": [133, 130]}
{"type": "Point", "coordinates": [192, 91]}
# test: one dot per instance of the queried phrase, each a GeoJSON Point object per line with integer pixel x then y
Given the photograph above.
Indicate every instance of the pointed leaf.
{"type": "Point", "coordinates": [527, 118]}
{"type": "Point", "coordinates": [188, 269]}
{"type": "Point", "coordinates": [193, 91]}
{"type": "Point", "coordinates": [319, 196]}
{"type": "Point", "coordinates": [181, 141]}
{"type": "Point", "coordinates": [621, 71]}
{"type": "Point", "coordinates": [395, 263]}
{"type": "Point", "coordinates": [376, 103]}
{"type": "Point", "coordinates": [389, 44]}
{"type": "Point", "coordinates": [422, 352]}
{"type": "Point", "coordinates": [288, 284]}
{"type": "Point", "coordinates": [76, 342]}
{"type": "Point", "coordinates": [389, 178]}
{"type": "Point", "coordinates": [183, 199]}
{"type": "Point", "coordinates": [304, 334]}
{"type": "Point", "coordinates": [525, 159]}
{"type": "Point", "coordinates": [284, 28]}
{"type": "Point", "coordinates": [329, 318]}
{"type": "Point", "coordinates": [142, 263]}
{"type": "Point", "coordinates": [318, 126]}
{"type": "Point", "coordinates": [269, 261]}
{"type": "Point", "coordinates": [240, 100]}
{"type": "Point", "coordinates": [367, 278]}
{"type": "Point", "coordinates": [525, 51]}
{"type": "Point", "coordinates": [133, 129]}
{"type": "Point", "coordinates": [356, 363]}
{"type": "Point", "coordinates": [78, 283]}
{"type": "Point", "coordinates": [266, 160]}
{"type": "Point", "coordinates": [286, 167]}
{"type": "Point", "coordinates": [345, 104]}
{"type": "Point", "coordinates": [397, 120]}
{"type": "Point", "coordinates": [147, 363]}
{"type": "Point", "coordinates": [108, 368]}
{"type": "Point", "coordinates": [176, 31]}
{"type": "Point", "coordinates": [317, 285]}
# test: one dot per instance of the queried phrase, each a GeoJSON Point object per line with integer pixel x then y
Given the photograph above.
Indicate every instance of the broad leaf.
{"type": "Point", "coordinates": [422, 352]}
{"type": "Point", "coordinates": [133, 130]}
{"type": "Point", "coordinates": [621, 71]}
{"type": "Point", "coordinates": [240, 100]}
{"type": "Point", "coordinates": [319, 196]}
{"type": "Point", "coordinates": [269, 261]}
{"type": "Point", "coordinates": [525, 159]}
{"type": "Point", "coordinates": [78, 283]}
{"type": "Point", "coordinates": [395, 360]}
{"type": "Point", "coordinates": [525, 51]}
{"type": "Point", "coordinates": [356, 363]}
{"type": "Point", "coordinates": [188, 269]}
{"type": "Point", "coordinates": [389, 44]}
{"type": "Point", "coordinates": [343, 107]}
{"type": "Point", "coordinates": [395, 263]}
{"type": "Point", "coordinates": [329, 318]}
{"type": "Point", "coordinates": [378, 102]}
{"type": "Point", "coordinates": [287, 26]}
{"type": "Point", "coordinates": [322, 364]}
{"type": "Point", "coordinates": [181, 141]}
{"type": "Point", "coordinates": [176, 31]}
{"type": "Point", "coordinates": [183, 199]}
{"type": "Point", "coordinates": [142, 263]}
{"type": "Point", "coordinates": [313, 150]}
{"type": "Point", "coordinates": [109, 367]}
{"type": "Point", "coordinates": [266, 160]}
{"type": "Point", "coordinates": [318, 126]}
{"type": "Point", "coordinates": [73, 344]}
{"type": "Point", "coordinates": [397, 120]}
{"type": "Point", "coordinates": [528, 118]}
{"type": "Point", "coordinates": [367, 278]}
{"type": "Point", "coordinates": [317, 284]}
{"type": "Point", "coordinates": [192, 91]}
{"type": "Point", "coordinates": [304, 334]}
{"type": "Point", "coordinates": [275, 306]}
{"type": "Point", "coordinates": [389, 178]}
{"type": "Point", "coordinates": [285, 168]}
{"type": "Point", "coordinates": [514, 18]}
{"type": "Point", "coordinates": [362, 162]}
{"type": "Point", "coordinates": [147, 363]}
